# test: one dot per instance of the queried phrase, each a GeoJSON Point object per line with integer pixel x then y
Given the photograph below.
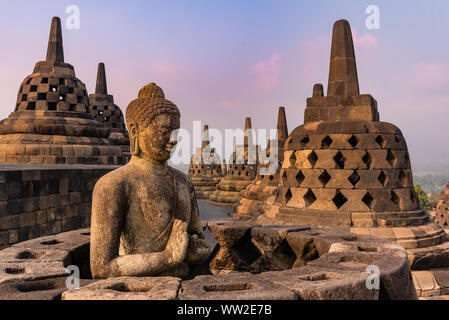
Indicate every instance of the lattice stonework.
{"type": "Point", "coordinates": [109, 115]}
{"type": "Point", "coordinates": [344, 168]}
{"type": "Point", "coordinates": [51, 122]}
{"type": "Point", "coordinates": [442, 210]}
{"type": "Point", "coordinates": [251, 199]}
{"type": "Point", "coordinates": [241, 171]}
{"type": "Point", "coordinates": [50, 93]}
{"type": "Point", "coordinates": [205, 175]}
{"type": "Point", "coordinates": [348, 172]}
{"type": "Point", "coordinates": [204, 169]}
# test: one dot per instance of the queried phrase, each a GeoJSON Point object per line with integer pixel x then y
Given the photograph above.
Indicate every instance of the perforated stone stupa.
{"type": "Point", "coordinates": [343, 168]}
{"type": "Point", "coordinates": [205, 168]}
{"type": "Point", "coordinates": [252, 197]}
{"type": "Point", "coordinates": [442, 210]}
{"type": "Point", "coordinates": [105, 111]}
{"type": "Point", "coordinates": [241, 170]}
{"type": "Point", "coordinates": [51, 123]}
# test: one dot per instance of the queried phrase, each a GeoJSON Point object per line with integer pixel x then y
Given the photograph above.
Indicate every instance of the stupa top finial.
{"type": "Point", "coordinates": [282, 125]}
{"type": "Point", "coordinates": [248, 140]}
{"type": "Point", "coordinates": [55, 50]}
{"type": "Point", "coordinates": [343, 80]}
{"type": "Point", "coordinates": [343, 100]}
{"type": "Point", "coordinates": [101, 86]}
{"type": "Point", "coordinates": [205, 140]}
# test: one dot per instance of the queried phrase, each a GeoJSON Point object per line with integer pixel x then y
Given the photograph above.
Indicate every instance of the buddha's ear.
{"type": "Point", "coordinates": [134, 141]}
{"type": "Point", "coordinates": [133, 128]}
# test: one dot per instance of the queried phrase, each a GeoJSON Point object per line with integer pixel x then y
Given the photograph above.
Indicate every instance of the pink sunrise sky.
{"type": "Point", "coordinates": [223, 60]}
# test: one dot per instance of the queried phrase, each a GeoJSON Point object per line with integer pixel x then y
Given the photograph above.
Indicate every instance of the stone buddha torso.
{"type": "Point", "coordinates": [154, 201]}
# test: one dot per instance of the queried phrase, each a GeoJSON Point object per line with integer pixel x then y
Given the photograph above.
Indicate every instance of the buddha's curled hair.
{"type": "Point", "coordinates": [149, 103]}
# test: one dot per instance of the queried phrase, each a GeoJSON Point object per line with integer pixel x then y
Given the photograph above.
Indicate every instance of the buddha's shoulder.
{"type": "Point", "coordinates": [115, 179]}
{"type": "Point", "coordinates": [181, 177]}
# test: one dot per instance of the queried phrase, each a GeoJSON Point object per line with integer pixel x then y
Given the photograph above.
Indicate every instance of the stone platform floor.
{"type": "Point", "coordinates": [210, 212]}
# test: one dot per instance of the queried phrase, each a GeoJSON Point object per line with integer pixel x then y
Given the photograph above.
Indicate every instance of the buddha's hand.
{"type": "Point", "coordinates": [198, 250]}
{"type": "Point", "coordinates": [176, 248]}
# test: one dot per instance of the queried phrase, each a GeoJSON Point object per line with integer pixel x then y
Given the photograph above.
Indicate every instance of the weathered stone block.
{"type": "Point", "coordinates": [127, 288]}
{"type": "Point", "coordinates": [234, 286]}
{"type": "Point", "coordinates": [27, 219]}
{"type": "Point", "coordinates": [9, 222]}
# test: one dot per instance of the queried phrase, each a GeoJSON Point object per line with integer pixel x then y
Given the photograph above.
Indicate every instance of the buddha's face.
{"type": "Point", "coordinates": [154, 140]}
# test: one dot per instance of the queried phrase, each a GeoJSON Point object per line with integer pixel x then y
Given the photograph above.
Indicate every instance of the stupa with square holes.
{"type": "Point", "coordinates": [241, 170]}
{"type": "Point", "coordinates": [51, 123]}
{"type": "Point", "coordinates": [105, 111]}
{"type": "Point", "coordinates": [205, 168]}
{"type": "Point", "coordinates": [343, 168]}
{"type": "Point", "coordinates": [252, 197]}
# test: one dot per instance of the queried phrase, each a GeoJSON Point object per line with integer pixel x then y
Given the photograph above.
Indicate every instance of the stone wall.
{"type": "Point", "coordinates": [38, 200]}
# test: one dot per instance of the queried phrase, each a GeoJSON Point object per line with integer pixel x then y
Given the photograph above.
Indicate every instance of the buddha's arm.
{"type": "Point", "coordinates": [195, 226]}
{"type": "Point", "coordinates": [148, 264]}
{"type": "Point", "coordinates": [198, 250]}
{"type": "Point", "coordinates": [109, 206]}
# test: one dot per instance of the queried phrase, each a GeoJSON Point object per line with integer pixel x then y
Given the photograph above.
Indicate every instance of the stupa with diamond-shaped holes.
{"type": "Point", "coordinates": [343, 168]}
{"type": "Point", "coordinates": [205, 168]}
{"type": "Point", "coordinates": [265, 184]}
{"type": "Point", "coordinates": [241, 171]}
{"type": "Point", "coordinates": [51, 123]}
{"type": "Point", "coordinates": [442, 209]}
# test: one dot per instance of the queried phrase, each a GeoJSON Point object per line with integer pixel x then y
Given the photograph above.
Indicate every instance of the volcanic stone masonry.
{"type": "Point", "coordinates": [252, 197]}
{"type": "Point", "coordinates": [241, 171]}
{"type": "Point", "coordinates": [343, 168]}
{"type": "Point", "coordinates": [224, 168]}
{"type": "Point", "coordinates": [103, 109]}
{"type": "Point", "coordinates": [285, 263]}
{"type": "Point", "coordinates": [205, 172]}
{"type": "Point", "coordinates": [52, 152]}
{"type": "Point", "coordinates": [36, 202]}
{"type": "Point", "coordinates": [51, 123]}
{"type": "Point", "coordinates": [442, 210]}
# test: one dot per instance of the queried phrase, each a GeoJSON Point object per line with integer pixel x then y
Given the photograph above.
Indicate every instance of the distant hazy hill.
{"type": "Point", "coordinates": [432, 183]}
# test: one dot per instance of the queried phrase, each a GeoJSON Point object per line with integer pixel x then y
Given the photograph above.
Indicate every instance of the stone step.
{"type": "Point", "coordinates": [432, 282]}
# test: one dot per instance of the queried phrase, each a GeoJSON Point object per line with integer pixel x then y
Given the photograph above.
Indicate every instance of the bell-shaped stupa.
{"type": "Point", "coordinates": [51, 123]}
{"type": "Point", "coordinates": [343, 168]}
{"type": "Point", "coordinates": [240, 172]}
{"type": "Point", "coordinates": [105, 111]}
{"type": "Point", "coordinates": [264, 185]}
{"type": "Point", "coordinates": [205, 168]}
{"type": "Point", "coordinates": [442, 209]}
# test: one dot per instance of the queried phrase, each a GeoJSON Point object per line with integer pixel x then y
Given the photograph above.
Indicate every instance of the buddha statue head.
{"type": "Point", "coordinates": [151, 120]}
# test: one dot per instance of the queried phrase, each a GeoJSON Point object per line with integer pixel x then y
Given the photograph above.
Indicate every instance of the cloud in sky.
{"type": "Point", "coordinates": [167, 70]}
{"type": "Point", "coordinates": [231, 104]}
{"type": "Point", "coordinates": [315, 56]}
{"type": "Point", "coordinates": [365, 41]}
{"type": "Point", "coordinates": [428, 75]}
{"type": "Point", "coordinates": [266, 72]}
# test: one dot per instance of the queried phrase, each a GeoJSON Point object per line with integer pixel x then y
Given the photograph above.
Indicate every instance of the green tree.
{"type": "Point", "coordinates": [423, 199]}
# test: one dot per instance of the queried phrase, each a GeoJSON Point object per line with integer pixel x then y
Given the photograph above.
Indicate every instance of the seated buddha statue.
{"type": "Point", "coordinates": [145, 218]}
